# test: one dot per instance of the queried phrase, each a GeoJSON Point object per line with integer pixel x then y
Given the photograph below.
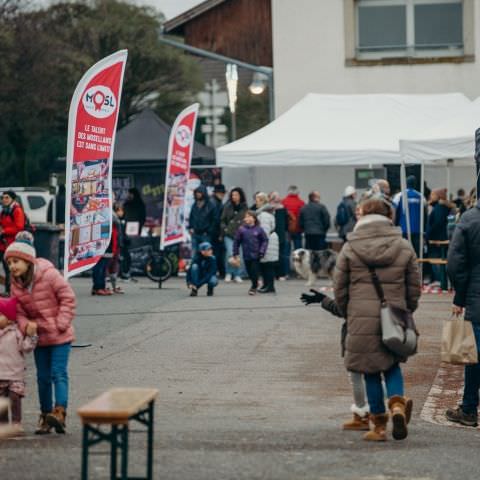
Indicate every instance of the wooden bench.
{"type": "Point", "coordinates": [116, 408]}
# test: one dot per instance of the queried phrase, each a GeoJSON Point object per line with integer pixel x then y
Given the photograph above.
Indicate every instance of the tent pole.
{"type": "Point", "coordinates": [422, 215]}
{"type": "Point", "coordinates": [449, 184]}
{"type": "Point", "coordinates": [406, 206]}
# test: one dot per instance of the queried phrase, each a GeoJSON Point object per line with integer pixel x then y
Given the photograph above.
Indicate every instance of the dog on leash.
{"type": "Point", "coordinates": [312, 264]}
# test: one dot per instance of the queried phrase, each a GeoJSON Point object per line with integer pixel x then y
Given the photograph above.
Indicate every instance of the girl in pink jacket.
{"type": "Point", "coordinates": [46, 301]}
{"type": "Point", "coordinates": [13, 346]}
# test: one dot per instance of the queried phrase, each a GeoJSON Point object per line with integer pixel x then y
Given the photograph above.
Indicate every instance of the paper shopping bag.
{"type": "Point", "coordinates": [458, 342]}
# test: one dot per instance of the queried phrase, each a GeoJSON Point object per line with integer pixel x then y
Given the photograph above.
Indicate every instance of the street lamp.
{"type": "Point", "coordinates": [259, 83]}
{"type": "Point", "coordinates": [231, 76]}
{"type": "Point", "coordinates": [267, 71]}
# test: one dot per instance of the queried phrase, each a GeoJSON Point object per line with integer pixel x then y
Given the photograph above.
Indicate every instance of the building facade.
{"type": "Point", "coordinates": [374, 46]}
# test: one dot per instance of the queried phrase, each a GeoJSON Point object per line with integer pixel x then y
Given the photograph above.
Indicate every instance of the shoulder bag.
{"type": "Point", "coordinates": [399, 333]}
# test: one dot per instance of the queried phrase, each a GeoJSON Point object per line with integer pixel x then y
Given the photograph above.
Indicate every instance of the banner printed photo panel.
{"type": "Point", "coordinates": [180, 149]}
{"type": "Point", "coordinates": [91, 137]}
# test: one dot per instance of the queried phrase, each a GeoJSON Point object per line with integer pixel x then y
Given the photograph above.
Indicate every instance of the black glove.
{"type": "Point", "coordinates": [315, 297]}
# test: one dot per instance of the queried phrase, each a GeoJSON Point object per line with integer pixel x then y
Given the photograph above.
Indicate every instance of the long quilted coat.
{"type": "Point", "coordinates": [49, 301]}
{"type": "Point", "coordinates": [374, 242]}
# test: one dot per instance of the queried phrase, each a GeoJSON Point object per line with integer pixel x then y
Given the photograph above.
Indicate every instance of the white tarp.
{"type": "Point", "coordinates": [452, 137]}
{"type": "Point", "coordinates": [341, 130]}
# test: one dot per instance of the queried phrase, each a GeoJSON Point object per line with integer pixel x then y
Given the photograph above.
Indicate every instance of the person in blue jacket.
{"type": "Point", "coordinates": [203, 270]}
{"type": "Point", "coordinates": [415, 203]}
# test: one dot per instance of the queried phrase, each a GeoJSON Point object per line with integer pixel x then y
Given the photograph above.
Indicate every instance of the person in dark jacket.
{"type": "Point", "coordinates": [125, 257]}
{"type": "Point", "coordinates": [464, 273]}
{"type": "Point", "coordinates": [461, 201]}
{"type": "Point", "coordinates": [281, 229]}
{"type": "Point", "coordinates": [415, 204]}
{"type": "Point", "coordinates": [219, 192]}
{"type": "Point", "coordinates": [233, 214]}
{"type": "Point", "coordinates": [437, 227]}
{"type": "Point", "coordinates": [134, 207]}
{"type": "Point", "coordinates": [201, 222]}
{"type": "Point", "coordinates": [254, 242]}
{"type": "Point", "coordinates": [346, 218]}
{"type": "Point", "coordinates": [203, 270]}
{"type": "Point", "coordinates": [315, 222]}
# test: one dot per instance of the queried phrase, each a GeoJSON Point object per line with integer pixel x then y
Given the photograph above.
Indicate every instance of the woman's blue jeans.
{"type": "Point", "coordinates": [52, 370]}
{"type": "Point", "coordinates": [373, 382]}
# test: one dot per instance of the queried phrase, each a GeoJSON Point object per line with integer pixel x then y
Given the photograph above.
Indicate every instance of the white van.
{"type": "Point", "coordinates": [35, 202]}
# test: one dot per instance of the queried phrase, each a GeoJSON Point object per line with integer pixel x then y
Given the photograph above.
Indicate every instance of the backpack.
{"type": "Point", "coordinates": [342, 216]}
{"type": "Point", "coordinates": [28, 227]}
{"type": "Point", "coordinates": [292, 222]}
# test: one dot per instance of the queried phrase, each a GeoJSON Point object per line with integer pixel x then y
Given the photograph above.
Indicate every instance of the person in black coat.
{"type": "Point", "coordinates": [219, 193]}
{"type": "Point", "coordinates": [281, 229]}
{"type": "Point", "coordinates": [202, 220]}
{"type": "Point", "coordinates": [464, 273]}
{"type": "Point", "coordinates": [315, 222]}
{"type": "Point", "coordinates": [437, 226]}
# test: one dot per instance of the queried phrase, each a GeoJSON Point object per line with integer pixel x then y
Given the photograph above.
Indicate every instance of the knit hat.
{"type": "Point", "coordinates": [22, 248]}
{"type": "Point", "coordinates": [349, 191]}
{"type": "Point", "coordinates": [8, 307]}
{"type": "Point", "coordinates": [204, 246]}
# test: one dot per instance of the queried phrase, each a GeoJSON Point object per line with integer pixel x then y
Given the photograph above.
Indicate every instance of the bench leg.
{"type": "Point", "coordinates": [150, 441]}
{"type": "Point", "coordinates": [113, 452]}
{"type": "Point", "coordinates": [85, 453]}
{"type": "Point", "coordinates": [124, 435]}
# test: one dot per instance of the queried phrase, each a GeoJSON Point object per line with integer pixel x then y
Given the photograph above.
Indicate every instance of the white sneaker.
{"type": "Point", "coordinates": [228, 278]}
{"type": "Point", "coordinates": [238, 280]}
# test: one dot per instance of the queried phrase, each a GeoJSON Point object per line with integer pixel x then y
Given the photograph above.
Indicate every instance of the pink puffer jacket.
{"type": "Point", "coordinates": [49, 301]}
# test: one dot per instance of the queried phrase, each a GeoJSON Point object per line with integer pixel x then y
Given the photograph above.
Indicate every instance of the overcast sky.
{"type": "Point", "coordinates": [170, 8]}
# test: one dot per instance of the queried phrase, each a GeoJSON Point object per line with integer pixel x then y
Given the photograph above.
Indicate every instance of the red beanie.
{"type": "Point", "coordinates": [8, 307]}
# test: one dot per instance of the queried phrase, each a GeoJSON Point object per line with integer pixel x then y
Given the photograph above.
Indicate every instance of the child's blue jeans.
{"type": "Point", "coordinates": [52, 366]}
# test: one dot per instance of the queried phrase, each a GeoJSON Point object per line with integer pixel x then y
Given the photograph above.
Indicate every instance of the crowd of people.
{"type": "Point", "coordinates": [232, 240]}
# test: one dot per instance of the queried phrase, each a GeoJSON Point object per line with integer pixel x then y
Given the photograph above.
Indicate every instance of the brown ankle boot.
{"type": "Point", "coordinates": [43, 428]}
{"type": "Point", "coordinates": [378, 434]}
{"type": "Point", "coordinates": [56, 419]}
{"type": "Point", "coordinates": [397, 406]}
{"type": "Point", "coordinates": [408, 409]}
{"type": "Point", "coordinates": [360, 419]}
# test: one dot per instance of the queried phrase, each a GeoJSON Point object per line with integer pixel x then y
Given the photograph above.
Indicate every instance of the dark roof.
{"type": "Point", "coordinates": [145, 138]}
{"type": "Point", "coordinates": [180, 20]}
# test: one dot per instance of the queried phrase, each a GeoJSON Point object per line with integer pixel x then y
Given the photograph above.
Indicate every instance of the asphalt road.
{"type": "Point", "coordinates": [250, 388]}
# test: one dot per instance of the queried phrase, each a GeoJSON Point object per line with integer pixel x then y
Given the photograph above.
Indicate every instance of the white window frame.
{"type": "Point", "coordinates": [410, 49]}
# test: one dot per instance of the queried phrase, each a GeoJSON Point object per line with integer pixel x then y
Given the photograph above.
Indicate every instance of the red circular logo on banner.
{"type": "Point", "coordinates": [99, 101]}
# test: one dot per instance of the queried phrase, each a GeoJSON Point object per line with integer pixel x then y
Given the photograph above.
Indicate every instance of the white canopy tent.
{"type": "Point", "coordinates": [450, 138]}
{"type": "Point", "coordinates": [336, 130]}
{"type": "Point", "coordinates": [358, 130]}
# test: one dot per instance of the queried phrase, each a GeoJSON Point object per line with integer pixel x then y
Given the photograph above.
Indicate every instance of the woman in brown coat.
{"type": "Point", "coordinates": [376, 242]}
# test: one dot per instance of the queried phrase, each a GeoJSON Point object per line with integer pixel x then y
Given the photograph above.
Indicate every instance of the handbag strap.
{"type": "Point", "coordinates": [377, 285]}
